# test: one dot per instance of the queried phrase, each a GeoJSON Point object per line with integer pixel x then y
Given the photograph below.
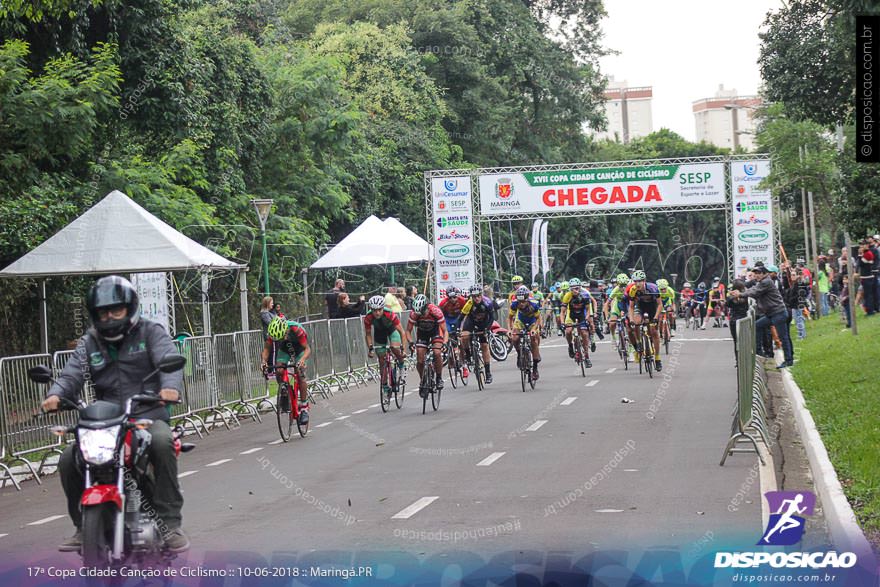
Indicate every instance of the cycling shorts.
{"type": "Point", "coordinates": [470, 325]}
{"type": "Point", "coordinates": [530, 325]}
{"type": "Point", "coordinates": [451, 321]}
{"type": "Point", "coordinates": [381, 345]}
{"type": "Point", "coordinates": [283, 358]}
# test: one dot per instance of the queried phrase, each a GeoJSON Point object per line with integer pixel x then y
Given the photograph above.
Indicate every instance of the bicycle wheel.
{"type": "Point", "coordinates": [399, 388]}
{"type": "Point", "coordinates": [498, 348]}
{"type": "Point", "coordinates": [384, 400]}
{"type": "Point", "coordinates": [435, 397]}
{"type": "Point", "coordinates": [285, 417]}
{"type": "Point", "coordinates": [477, 359]}
{"type": "Point", "coordinates": [579, 353]}
{"type": "Point", "coordinates": [452, 365]}
{"type": "Point", "coordinates": [524, 361]}
{"type": "Point", "coordinates": [426, 386]}
{"type": "Point", "coordinates": [648, 355]}
{"type": "Point", "coordinates": [666, 336]}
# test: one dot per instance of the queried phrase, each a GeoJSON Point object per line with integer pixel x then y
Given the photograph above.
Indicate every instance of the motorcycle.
{"type": "Point", "coordinates": [499, 342]}
{"type": "Point", "coordinates": [119, 526]}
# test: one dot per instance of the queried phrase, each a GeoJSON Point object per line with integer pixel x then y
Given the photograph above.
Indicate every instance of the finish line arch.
{"type": "Point", "coordinates": [458, 202]}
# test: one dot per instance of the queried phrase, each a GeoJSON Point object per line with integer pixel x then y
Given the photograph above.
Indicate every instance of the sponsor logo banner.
{"type": "Point", "coordinates": [752, 215]}
{"type": "Point", "coordinates": [454, 263]}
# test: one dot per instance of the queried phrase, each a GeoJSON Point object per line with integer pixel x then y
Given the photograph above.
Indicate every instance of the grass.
{"type": "Point", "coordinates": [838, 374]}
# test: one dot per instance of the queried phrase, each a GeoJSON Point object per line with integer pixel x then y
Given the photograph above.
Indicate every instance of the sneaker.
{"type": "Point", "coordinates": [303, 414]}
{"type": "Point", "coordinates": [176, 540]}
{"type": "Point", "coordinates": [570, 351]}
{"type": "Point", "coordinates": [72, 544]}
{"type": "Point", "coordinates": [465, 372]}
{"type": "Point", "coordinates": [588, 363]}
{"type": "Point", "coordinates": [782, 365]}
{"type": "Point", "coordinates": [488, 378]}
{"type": "Point", "coordinates": [703, 327]}
{"type": "Point", "coordinates": [577, 357]}
{"type": "Point", "coordinates": [658, 365]}
{"type": "Point", "coordinates": [592, 346]}
{"type": "Point", "coordinates": [601, 336]}
{"type": "Point", "coordinates": [535, 374]}
{"type": "Point", "coordinates": [439, 384]}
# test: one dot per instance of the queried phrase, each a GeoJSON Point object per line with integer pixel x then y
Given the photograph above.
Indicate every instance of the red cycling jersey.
{"type": "Point", "coordinates": [452, 307]}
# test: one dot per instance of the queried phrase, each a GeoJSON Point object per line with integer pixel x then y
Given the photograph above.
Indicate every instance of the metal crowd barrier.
{"type": "Point", "coordinates": [221, 381]}
{"type": "Point", "coordinates": [750, 415]}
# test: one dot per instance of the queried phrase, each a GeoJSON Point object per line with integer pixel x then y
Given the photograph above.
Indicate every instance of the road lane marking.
{"type": "Point", "coordinates": [45, 520]}
{"type": "Point", "coordinates": [251, 451]}
{"type": "Point", "coordinates": [186, 474]}
{"type": "Point", "coordinates": [218, 463]}
{"type": "Point", "coordinates": [611, 370]}
{"type": "Point", "coordinates": [567, 401]}
{"type": "Point", "coordinates": [490, 459]}
{"type": "Point", "coordinates": [360, 411]}
{"type": "Point", "coordinates": [536, 425]}
{"type": "Point", "coordinates": [374, 405]}
{"type": "Point", "coordinates": [608, 511]}
{"type": "Point", "coordinates": [416, 507]}
{"type": "Point", "coordinates": [343, 417]}
{"type": "Point", "coordinates": [324, 424]}
{"type": "Point", "coordinates": [592, 383]}
{"type": "Point", "coordinates": [2, 535]}
{"type": "Point", "coordinates": [279, 441]}
{"type": "Point", "coordinates": [630, 470]}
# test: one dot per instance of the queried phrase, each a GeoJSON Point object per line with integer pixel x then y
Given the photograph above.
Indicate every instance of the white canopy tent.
{"type": "Point", "coordinates": [375, 242]}
{"type": "Point", "coordinates": [117, 236]}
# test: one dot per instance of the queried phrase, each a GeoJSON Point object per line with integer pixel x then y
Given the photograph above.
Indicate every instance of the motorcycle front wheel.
{"type": "Point", "coordinates": [97, 535]}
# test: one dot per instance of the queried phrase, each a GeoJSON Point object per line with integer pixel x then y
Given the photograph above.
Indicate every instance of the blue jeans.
{"type": "Point", "coordinates": [823, 304]}
{"type": "Point", "coordinates": [780, 321]}
{"type": "Point", "coordinates": [798, 315]}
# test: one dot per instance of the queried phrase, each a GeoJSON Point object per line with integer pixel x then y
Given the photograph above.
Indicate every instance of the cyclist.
{"type": "Point", "coordinates": [451, 306]}
{"type": "Point", "coordinates": [687, 294]}
{"type": "Point", "coordinates": [381, 325]}
{"type": "Point", "coordinates": [667, 298]}
{"type": "Point", "coordinates": [699, 301]}
{"type": "Point", "coordinates": [617, 303]}
{"type": "Point", "coordinates": [517, 282]}
{"type": "Point", "coordinates": [431, 329]}
{"type": "Point", "coordinates": [560, 318]}
{"type": "Point", "coordinates": [578, 308]}
{"type": "Point", "coordinates": [526, 316]}
{"type": "Point", "coordinates": [645, 298]}
{"type": "Point", "coordinates": [556, 303]}
{"type": "Point", "coordinates": [476, 317]}
{"type": "Point", "coordinates": [716, 303]}
{"type": "Point", "coordinates": [290, 341]}
{"type": "Point", "coordinates": [597, 292]}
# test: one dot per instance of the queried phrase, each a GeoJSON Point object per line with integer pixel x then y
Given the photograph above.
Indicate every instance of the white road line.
{"type": "Point", "coordinates": [592, 383]}
{"type": "Point", "coordinates": [630, 470]}
{"type": "Point", "coordinates": [186, 474]}
{"type": "Point", "coordinates": [359, 411]}
{"type": "Point", "coordinates": [343, 417]}
{"type": "Point", "coordinates": [490, 459]}
{"type": "Point", "coordinates": [251, 451]}
{"type": "Point", "coordinates": [608, 511]}
{"type": "Point", "coordinates": [567, 401]}
{"type": "Point", "coordinates": [218, 463]}
{"type": "Point", "coordinates": [279, 441]}
{"type": "Point", "coordinates": [536, 425]}
{"type": "Point", "coordinates": [45, 520]}
{"type": "Point", "coordinates": [2, 535]}
{"type": "Point", "coordinates": [374, 405]}
{"type": "Point", "coordinates": [324, 424]}
{"type": "Point", "coordinates": [611, 370]}
{"type": "Point", "coordinates": [416, 507]}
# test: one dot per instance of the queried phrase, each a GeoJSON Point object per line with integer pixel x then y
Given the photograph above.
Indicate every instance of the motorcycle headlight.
{"type": "Point", "coordinates": [97, 446]}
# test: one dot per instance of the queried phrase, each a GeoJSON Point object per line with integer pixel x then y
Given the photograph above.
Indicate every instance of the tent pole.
{"type": "Point", "coordinates": [392, 276]}
{"type": "Point", "coordinates": [206, 306]}
{"type": "Point", "coordinates": [242, 281]}
{"type": "Point", "coordinates": [44, 318]}
{"type": "Point", "coordinates": [305, 277]}
{"type": "Point", "coordinates": [427, 274]}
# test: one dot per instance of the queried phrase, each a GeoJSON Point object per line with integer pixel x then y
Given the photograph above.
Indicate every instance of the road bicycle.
{"type": "Point", "coordinates": [579, 355]}
{"type": "Point", "coordinates": [526, 360]}
{"type": "Point", "coordinates": [646, 348]}
{"type": "Point", "coordinates": [452, 360]}
{"type": "Point", "coordinates": [665, 333]}
{"type": "Point", "coordinates": [622, 345]}
{"type": "Point", "coordinates": [395, 377]}
{"type": "Point", "coordinates": [695, 315]}
{"type": "Point", "coordinates": [287, 408]}
{"type": "Point", "coordinates": [428, 383]}
{"type": "Point", "coordinates": [478, 369]}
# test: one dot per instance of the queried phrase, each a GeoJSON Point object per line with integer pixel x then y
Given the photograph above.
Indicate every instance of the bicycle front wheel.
{"type": "Point", "coordinates": [284, 416]}
{"type": "Point", "coordinates": [399, 387]}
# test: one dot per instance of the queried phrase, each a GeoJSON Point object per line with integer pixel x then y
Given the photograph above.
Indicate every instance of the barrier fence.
{"type": "Point", "coordinates": [750, 415]}
{"type": "Point", "coordinates": [222, 382]}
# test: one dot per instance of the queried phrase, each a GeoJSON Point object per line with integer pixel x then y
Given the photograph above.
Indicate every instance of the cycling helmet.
{"type": "Point", "coordinates": [535, 285]}
{"type": "Point", "coordinates": [516, 279]}
{"type": "Point", "coordinates": [594, 282]}
{"type": "Point", "coordinates": [557, 284]}
{"type": "Point", "coordinates": [662, 283]}
{"type": "Point", "coordinates": [564, 286]}
{"type": "Point", "coordinates": [639, 275]}
{"type": "Point", "coordinates": [552, 289]}
{"type": "Point", "coordinates": [277, 329]}
{"type": "Point", "coordinates": [376, 303]}
{"type": "Point", "coordinates": [109, 292]}
{"type": "Point", "coordinates": [622, 279]}
{"type": "Point", "coordinates": [686, 285]}
{"type": "Point", "coordinates": [716, 280]}
{"type": "Point", "coordinates": [475, 290]}
{"type": "Point", "coordinates": [702, 286]}
{"type": "Point", "coordinates": [574, 282]}
{"type": "Point", "coordinates": [453, 292]}
{"type": "Point", "coordinates": [522, 293]}
{"type": "Point", "coordinates": [421, 302]}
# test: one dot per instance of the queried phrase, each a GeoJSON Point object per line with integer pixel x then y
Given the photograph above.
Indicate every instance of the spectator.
{"type": "Point", "coordinates": [739, 308]}
{"type": "Point", "coordinates": [866, 273]}
{"type": "Point", "coordinates": [823, 282]}
{"type": "Point", "coordinates": [392, 302]}
{"type": "Point", "coordinates": [795, 300]}
{"type": "Point", "coordinates": [772, 308]}
{"type": "Point", "coordinates": [874, 245]}
{"type": "Point", "coordinates": [347, 309]}
{"type": "Point", "coordinates": [332, 298]}
{"type": "Point", "coordinates": [278, 312]}
{"type": "Point", "coordinates": [844, 300]}
{"type": "Point", "coordinates": [267, 313]}
{"type": "Point", "coordinates": [411, 293]}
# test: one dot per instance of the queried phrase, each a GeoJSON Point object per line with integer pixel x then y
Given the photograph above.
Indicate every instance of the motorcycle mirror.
{"type": "Point", "coordinates": [172, 363]}
{"type": "Point", "coordinates": [40, 374]}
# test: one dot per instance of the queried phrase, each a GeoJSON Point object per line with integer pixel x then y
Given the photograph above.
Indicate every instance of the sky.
{"type": "Point", "coordinates": [684, 49]}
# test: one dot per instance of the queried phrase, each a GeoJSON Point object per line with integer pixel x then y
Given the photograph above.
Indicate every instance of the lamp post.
{"type": "Point", "coordinates": [263, 207]}
{"type": "Point", "coordinates": [674, 277]}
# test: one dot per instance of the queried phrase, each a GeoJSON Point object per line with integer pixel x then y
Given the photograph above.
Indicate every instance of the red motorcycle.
{"type": "Point", "coordinates": [119, 526]}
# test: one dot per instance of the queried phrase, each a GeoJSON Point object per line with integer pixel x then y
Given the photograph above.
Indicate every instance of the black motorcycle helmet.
{"type": "Point", "coordinates": [109, 292]}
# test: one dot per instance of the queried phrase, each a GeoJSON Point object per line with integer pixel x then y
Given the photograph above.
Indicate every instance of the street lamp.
{"type": "Point", "coordinates": [263, 207]}
{"type": "Point", "coordinates": [674, 277]}
{"type": "Point", "coordinates": [590, 267]}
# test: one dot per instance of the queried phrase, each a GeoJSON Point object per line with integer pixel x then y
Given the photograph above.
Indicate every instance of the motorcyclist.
{"type": "Point", "coordinates": [118, 352]}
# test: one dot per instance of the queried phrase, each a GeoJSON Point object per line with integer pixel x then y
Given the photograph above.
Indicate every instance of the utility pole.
{"type": "Point", "coordinates": [850, 271]}
{"type": "Point", "coordinates": [804, 213]}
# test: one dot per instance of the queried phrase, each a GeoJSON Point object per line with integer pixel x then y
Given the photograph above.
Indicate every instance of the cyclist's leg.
{"type": "Point", "coordinates": [466, 329]}
{"type": "Point", "coordinates": [301, 381]}
{"type": "Point", "coordinates": [396, 347]}
{"type": "Point", "coordinates": [585, 333]}
{"type": "Point", "coordinates": [536, 341]}
{"type": "Point", "coordinates": [421, 351]}
{"type": "Point", "coordinates": [281, 361]}
{"type": "Point", "coordinates": [516, 327]}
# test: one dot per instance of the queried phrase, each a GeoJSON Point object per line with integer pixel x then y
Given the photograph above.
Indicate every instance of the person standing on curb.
{"type": "Point", "coordinates": [773, 310]}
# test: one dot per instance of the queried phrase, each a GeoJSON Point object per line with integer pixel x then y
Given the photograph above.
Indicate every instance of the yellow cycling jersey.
{"type": "Point", "coordinates": [582, 303]}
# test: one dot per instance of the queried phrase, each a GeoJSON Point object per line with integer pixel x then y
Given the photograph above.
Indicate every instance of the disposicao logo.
{"type": "Point", "coordinates": [785, 527]}
{"type": "Point", "coordinates": [753, 236]}
{"type": "Point", "coordinates": [454, 251]}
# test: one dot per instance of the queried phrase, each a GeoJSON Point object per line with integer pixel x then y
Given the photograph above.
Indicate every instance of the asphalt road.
{"type": "Point", "coordinates": [566, 466]}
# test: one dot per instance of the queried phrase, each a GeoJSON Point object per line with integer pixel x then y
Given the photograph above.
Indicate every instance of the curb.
{"type": "Point", "coordinates": [846, 534]}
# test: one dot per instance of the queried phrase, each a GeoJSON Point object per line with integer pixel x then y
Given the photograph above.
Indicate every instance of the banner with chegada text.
{"type": "Point", "coordinates": [606, 188]}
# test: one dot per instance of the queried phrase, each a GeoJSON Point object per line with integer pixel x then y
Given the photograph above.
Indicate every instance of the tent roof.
{"type": "Point", "coordinates": [116, 235]}
{"type": "Point", "coordinates": [376, 242]}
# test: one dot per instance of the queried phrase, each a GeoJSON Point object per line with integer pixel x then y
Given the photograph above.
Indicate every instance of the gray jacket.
{"type": "Point", "coordinates": [767, 297]}
{"type": "Point", "coordinates": [139, 352]}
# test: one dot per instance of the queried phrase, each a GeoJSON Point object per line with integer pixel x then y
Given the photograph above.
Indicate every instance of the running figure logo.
{"type": "Point", "coordinates": [786, 526]}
